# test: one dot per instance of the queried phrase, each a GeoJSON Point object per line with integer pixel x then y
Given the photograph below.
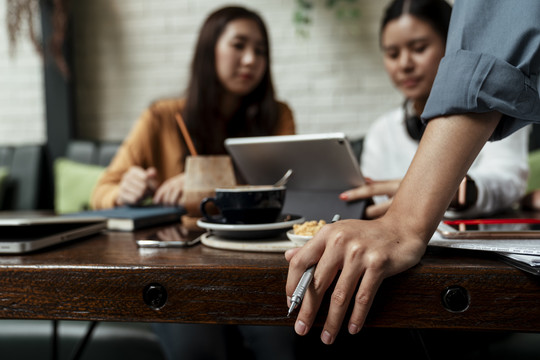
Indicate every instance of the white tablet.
{"type": "Point", "coordinates": [319, 161]}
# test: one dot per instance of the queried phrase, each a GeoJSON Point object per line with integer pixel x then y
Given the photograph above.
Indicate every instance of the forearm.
{"type": "Point", "coordinates": [104, 196]}
{"type": "Point", "coordinates": [447, 150]}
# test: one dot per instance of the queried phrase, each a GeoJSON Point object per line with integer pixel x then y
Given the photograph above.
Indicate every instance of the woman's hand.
{"type": "Point", "coordinates": [363, 253]}
{"type": "Point", "coordinates": [170, 192]}
{"type": "Point", "coordinates": [373, 188]}
{"type": "Point", "coordinates": [136, 184]}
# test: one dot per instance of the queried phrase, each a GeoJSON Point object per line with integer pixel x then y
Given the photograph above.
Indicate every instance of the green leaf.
{"type": "Point", "coordinates": [331, 3]}
{"type": "Point", "coordinates": [305, 4]}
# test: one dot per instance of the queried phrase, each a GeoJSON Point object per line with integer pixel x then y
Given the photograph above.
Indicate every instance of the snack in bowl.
{"type": "Point", "coordinates": [308, 228]}
{"type": "Point", "coordinates": [301, 233]}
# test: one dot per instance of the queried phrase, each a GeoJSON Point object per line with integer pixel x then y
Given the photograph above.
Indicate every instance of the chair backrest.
{"type": "Point", "coordinates": [106, 152]}
{"type": "Point", "coordinates": [82, 151]}
{"type": "Point", "coordinates": [91, 152]}
{"type": "Point", "coordinates": [6, 156]}
{"type": "Point", "coordinates": [357, 145]}
{"type": "Point", "coordinates": [534, 137]}
{"type": "Point", "coordinates": [22, 191]}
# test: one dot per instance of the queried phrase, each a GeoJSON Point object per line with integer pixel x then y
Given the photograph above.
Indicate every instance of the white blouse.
{"type": "Point", "coordinates": [500, 171]}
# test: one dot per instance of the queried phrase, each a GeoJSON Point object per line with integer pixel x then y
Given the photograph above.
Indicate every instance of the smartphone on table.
{"type": "Point", "coordinates": [174, 236]}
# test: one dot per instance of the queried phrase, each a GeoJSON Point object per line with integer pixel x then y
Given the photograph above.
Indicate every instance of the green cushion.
{"type": "Point", "coordinates": [74, 183]}
{"type": "Point", "coordinates": [534, 171]}
{"type": "Point", "coordinates": [4, 173]}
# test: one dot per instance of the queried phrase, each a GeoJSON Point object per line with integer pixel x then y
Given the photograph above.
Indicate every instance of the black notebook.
{"type": "Point", "coordinates": [129, 218]}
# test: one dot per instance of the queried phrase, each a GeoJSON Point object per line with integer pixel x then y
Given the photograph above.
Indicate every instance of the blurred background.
{"type": "Point", "coordinates": [124, 54]}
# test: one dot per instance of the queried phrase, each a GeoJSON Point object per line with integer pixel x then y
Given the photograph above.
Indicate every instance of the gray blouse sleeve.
{"type": "Point", "coordinates": [492, 63]}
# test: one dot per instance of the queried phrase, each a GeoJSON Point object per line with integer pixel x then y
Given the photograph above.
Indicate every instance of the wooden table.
{"type": "Point", "coordinates": [108, 278]}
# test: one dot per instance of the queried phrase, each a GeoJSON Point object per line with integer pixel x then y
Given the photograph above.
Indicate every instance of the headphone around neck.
{"type": "Point", "coordinates": [415, 126]}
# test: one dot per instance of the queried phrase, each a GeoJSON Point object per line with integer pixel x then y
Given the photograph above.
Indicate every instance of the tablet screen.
{"type": "Point", "coordinates": [319, 161]}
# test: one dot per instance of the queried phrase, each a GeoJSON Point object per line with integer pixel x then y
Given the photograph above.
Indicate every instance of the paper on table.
{"type": "Point", "coordinates": [531, 260]}
{"type": "Point", "coordinates": [528, 263]}
{"type": "Point", "coordinates": [516, 246]}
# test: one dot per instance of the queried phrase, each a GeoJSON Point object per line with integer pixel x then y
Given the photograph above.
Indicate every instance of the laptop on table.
{"type": "Point", "coordinates": [25, 234]}
{"type": "Point", "coordinates": [324, 165]}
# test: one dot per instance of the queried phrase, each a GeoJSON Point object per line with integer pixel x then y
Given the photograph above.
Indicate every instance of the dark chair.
{"type": "Point", "coordinates": [106, 152]}
{"type": "Point", "coordinates": [82, 151]}
{"type": "Point", "coordinates": [6, 156]}
{"type": "Point", "coordinates": [91, 152]}
{"type": "Point", "coordinates": [25, 166]}
{"type": "Point", "coordinates": [31, 339]}
{"type": "Point", "coordinates": [357, 145]}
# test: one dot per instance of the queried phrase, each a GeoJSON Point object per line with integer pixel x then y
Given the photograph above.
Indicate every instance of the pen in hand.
{"type": "Point", "coordinates": [305, 280]}
{"type": "Point", "coordinates": [301, 288]}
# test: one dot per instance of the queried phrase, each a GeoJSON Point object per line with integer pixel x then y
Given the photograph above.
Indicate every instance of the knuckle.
{"type": "Point", "coordinates": [339, 298]}
{"type": "Point", "coordinates": [357, 251]}
{"type": "Point", "coordinates": [362, 299]}
{"type": "Point", "coordinates": [377, 261]}
{"type": "Point", "coordinates": [338, 239]}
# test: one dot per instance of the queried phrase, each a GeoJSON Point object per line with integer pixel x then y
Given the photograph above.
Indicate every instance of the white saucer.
{"type": "Point", "coordinates": [274, 245]}
{"type": "Point", "coordinates": [253, 231]}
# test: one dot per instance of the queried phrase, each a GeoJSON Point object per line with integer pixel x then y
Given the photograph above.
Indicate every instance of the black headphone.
{"type": "Point", "coordinates": [415, 126]}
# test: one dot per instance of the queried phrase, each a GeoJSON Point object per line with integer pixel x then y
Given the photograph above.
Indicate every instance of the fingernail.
{"type": "Point", "coordinates": [288, 301]}
{"type": "Point", "coordinates": [353, 329]}
{"type": "Point", "coordinates": [326, 337]}
{"type": "Point", "coordinates": [300, 327]}
{"type": "Point", "coordinates": [343, 196]}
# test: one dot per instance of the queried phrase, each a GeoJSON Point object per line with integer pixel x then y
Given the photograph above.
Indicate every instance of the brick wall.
{"type": "Point", "coordinates": [131, 52]}
{"type": "Point", "coordinates": [21, 90]}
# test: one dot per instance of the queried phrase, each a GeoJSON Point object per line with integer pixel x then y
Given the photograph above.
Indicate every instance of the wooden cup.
{"type": "Point", "coordinates": [203, 174]}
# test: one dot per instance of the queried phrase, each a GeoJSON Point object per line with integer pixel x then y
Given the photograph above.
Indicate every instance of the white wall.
{"type": "Point", "coordinates": [131, 52]}
{"type": "Point", "coordinates": [22, 110]}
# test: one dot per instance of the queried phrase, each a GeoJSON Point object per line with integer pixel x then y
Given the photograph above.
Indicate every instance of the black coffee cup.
{"type": "Point", "coordinates": [246, 204]}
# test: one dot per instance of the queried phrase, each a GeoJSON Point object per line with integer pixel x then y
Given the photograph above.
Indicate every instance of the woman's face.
{"type": "Point", "coordinates": [412, 52]}
{"type": "Point", "coordinates": [240, 57]}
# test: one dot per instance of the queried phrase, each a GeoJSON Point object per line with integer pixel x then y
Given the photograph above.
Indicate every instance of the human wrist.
{"type": "Point", "coordinates": [406, 227]}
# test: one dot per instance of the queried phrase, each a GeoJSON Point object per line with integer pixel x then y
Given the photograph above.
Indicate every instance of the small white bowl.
{"type": "Point", "coordinates": [298, 240]}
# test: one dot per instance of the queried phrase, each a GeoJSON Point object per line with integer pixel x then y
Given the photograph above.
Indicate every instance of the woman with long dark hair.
{"type": "Point", "coordinates": [230, 94]}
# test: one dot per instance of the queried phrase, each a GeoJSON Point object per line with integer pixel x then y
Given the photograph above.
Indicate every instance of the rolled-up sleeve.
{"type": "Point", "coordinates": [489, 67]}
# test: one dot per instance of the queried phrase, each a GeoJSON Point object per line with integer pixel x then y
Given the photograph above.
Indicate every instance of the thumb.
{"type": "Point", "coordinates": [290, 253]}
{"type": "Point", "coordinates": [151, 172]}
{"type": "Point", "coordinates": [151, 178]}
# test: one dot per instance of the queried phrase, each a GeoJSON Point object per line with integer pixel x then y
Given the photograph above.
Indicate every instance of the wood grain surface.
{"type": "Point", "coordinates": [105, 277]}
